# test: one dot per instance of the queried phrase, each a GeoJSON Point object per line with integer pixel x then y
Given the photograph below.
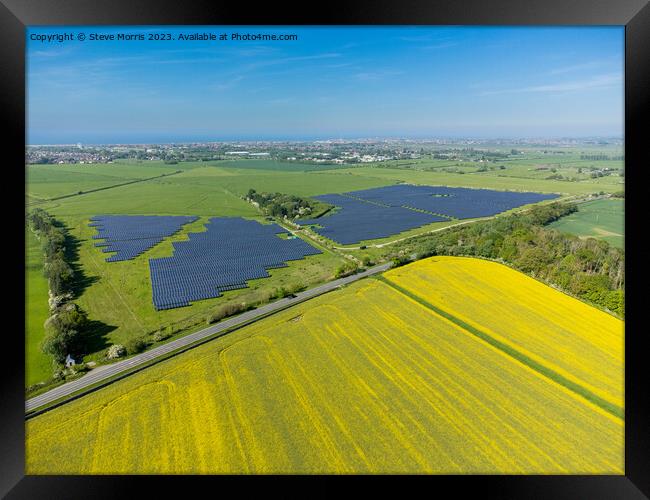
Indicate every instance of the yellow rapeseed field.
{"type": "Point", "coordinates": [360, 380]}
{"type": "Point", "coordinates": [574, 339]}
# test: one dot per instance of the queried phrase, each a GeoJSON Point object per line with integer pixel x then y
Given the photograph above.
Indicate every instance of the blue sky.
{"type": "Point", "coordinates": [333, 82]}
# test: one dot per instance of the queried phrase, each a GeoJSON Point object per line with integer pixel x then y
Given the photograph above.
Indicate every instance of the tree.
{"type": "Point", "coordinates": [58, 274]}
{"type": "Point", "coordinates": [64, 332]}
{"type": "Point", "coordinates": [59, 344]}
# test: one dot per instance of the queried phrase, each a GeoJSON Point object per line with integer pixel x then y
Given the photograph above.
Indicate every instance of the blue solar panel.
{"type": "Point", "coordinates": [459, 203]}
{"type": "Point", "coordinates": [229, 253]}
{"type": "Point", "coordinates": [359, 220]}
{"type": "Point", "coordinates": [381, 212]}
{"type": "Point", "coordinates": [130, 235]}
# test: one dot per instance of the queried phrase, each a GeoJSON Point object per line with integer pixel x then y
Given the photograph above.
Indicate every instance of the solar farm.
{"type": "Point", "coordinates": [132, 235]}
{"type": "Point", "coordinates": [359, 220]}
{"type": "Point", "coordinates": [381, 212]}
{"type": "Point", "coordinates": [229, 253]}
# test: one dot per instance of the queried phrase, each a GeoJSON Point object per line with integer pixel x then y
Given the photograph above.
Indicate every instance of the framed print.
{"type": "Point", "coordinates": [379, 242]}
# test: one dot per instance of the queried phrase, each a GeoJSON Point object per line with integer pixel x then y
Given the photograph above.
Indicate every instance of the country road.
{"type": "Point", "coordinates": [116, 369]}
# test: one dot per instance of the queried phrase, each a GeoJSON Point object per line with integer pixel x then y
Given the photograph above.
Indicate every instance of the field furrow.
{"type": "Point", "coordinates": [579, 342]}
{"type": "Point", "coordinates": [361, 380]}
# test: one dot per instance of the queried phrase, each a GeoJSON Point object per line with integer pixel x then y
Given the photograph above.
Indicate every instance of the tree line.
{"type": "Point", "coordinates": [589, 269]}
{"type": "Point", "coordinates": [66, 325]}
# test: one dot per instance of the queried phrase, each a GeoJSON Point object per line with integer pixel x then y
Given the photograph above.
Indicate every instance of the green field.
{"type": "Point", "coordinates": [494, 179]}
{"type": "Point", "coordinates": [601, 219]}
{"type": "Point", "coordinates": [276, 165]}
{"type": "Point", "coordinates": [48, 181]}
{"type": "Point", "coordinates": [198, 190]}
{"type": "Point", "coordinates": [39, 365]}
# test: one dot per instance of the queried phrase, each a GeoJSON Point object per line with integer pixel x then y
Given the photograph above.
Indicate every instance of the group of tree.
{"type": "Point", "coordinates": [282, 205]}
{"type": "Point", "coordinates": [66, 325]}
{"type": "Point", "coordinates": [587, 268]}
{"type": "Point", "coordinates": [53, 238]}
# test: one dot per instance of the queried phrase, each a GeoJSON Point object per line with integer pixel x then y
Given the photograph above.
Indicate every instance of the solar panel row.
{"type": "Point", "coordinates": [229, 253]}
{"type": "Point", "coordinates": [460, 203]}
{"type": "Point", "coordinates": [381, 212]}
{"type": "Point", "coordinates": [359, 220]}
{"type": "Point", "coordinates": [131, 235]}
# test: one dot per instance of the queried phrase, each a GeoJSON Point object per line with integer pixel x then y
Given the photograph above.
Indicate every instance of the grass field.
{"type": "Point", "coordinates": [276, 165]}
{"type": "Point", "coordinates": [601, 219]}
{"type": "Point", "coordinates": [48, 181]}
{"type": "Point", "coordinates": [364, 379]}
{"type": "Point", "coordinates": [38, 365]}
{"type": "Point", "coordinates": [488, 180]}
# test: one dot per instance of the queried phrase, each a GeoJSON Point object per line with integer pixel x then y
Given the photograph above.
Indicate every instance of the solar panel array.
{"type": "Point", "coordinates": [380, 212]}
{"type": "Point", "coordinates": [132, 235]}
{"type": "Point", "coordinates": [459, 203]}
{"type": "Point", "coordinates": [229, 253]}
{"type": "Point", "coordinates": [359, 220]}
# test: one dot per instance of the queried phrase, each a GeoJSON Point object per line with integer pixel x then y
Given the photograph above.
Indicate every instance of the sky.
{"type": "Point", "coordinates": [330, 83]}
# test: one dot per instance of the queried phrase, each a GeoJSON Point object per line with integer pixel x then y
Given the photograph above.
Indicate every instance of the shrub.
{"type": "Point", "coordinates": [161, 335]}
{"type": "Point", "coordinates": [115, 351]}
{"type": "Point", "coordinates": [56, 301]}
{"type": "Point", "coordinates": [345, 270]}
{"type": "Point", "coordinates": [399, 261]}
{"type": "Point", "coordinates": [76, 369]}
{"type": "Point", "coordinates": [225, 311]}
{"type": "Point", "coordinates": [367, 261]}
{"type": "Point", "coordinates": [136, 345]}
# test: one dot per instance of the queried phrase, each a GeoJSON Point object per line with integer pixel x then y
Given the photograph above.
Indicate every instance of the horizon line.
{"type": "Point", "coordinates": [349, 139]}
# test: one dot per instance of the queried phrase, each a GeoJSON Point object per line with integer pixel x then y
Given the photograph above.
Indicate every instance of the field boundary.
{"type": "Point", "coordinates": [549, 373]}
{"type": "Point", "coordinates": [47, 200]}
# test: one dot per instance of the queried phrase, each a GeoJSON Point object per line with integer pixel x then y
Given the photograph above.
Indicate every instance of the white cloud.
{"type": "Point", "coordinates": [228, 84]}
{"type": "Point", "coordinates": [605, 81]}
{"type": "Point", "coordinates": [376, 75]}
{"type": "Point", "coordinates": [582, 66]}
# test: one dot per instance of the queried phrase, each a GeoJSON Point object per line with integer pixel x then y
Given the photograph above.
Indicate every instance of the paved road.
{"type": "Point", "coordinates": [94, 377]}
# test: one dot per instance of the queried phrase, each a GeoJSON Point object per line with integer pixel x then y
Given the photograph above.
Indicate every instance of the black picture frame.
{"type": "Point", "coordinates": [15, 15]}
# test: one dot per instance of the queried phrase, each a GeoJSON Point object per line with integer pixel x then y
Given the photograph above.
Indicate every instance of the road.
{"type": "Point", "coordinates": [97, 377]}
